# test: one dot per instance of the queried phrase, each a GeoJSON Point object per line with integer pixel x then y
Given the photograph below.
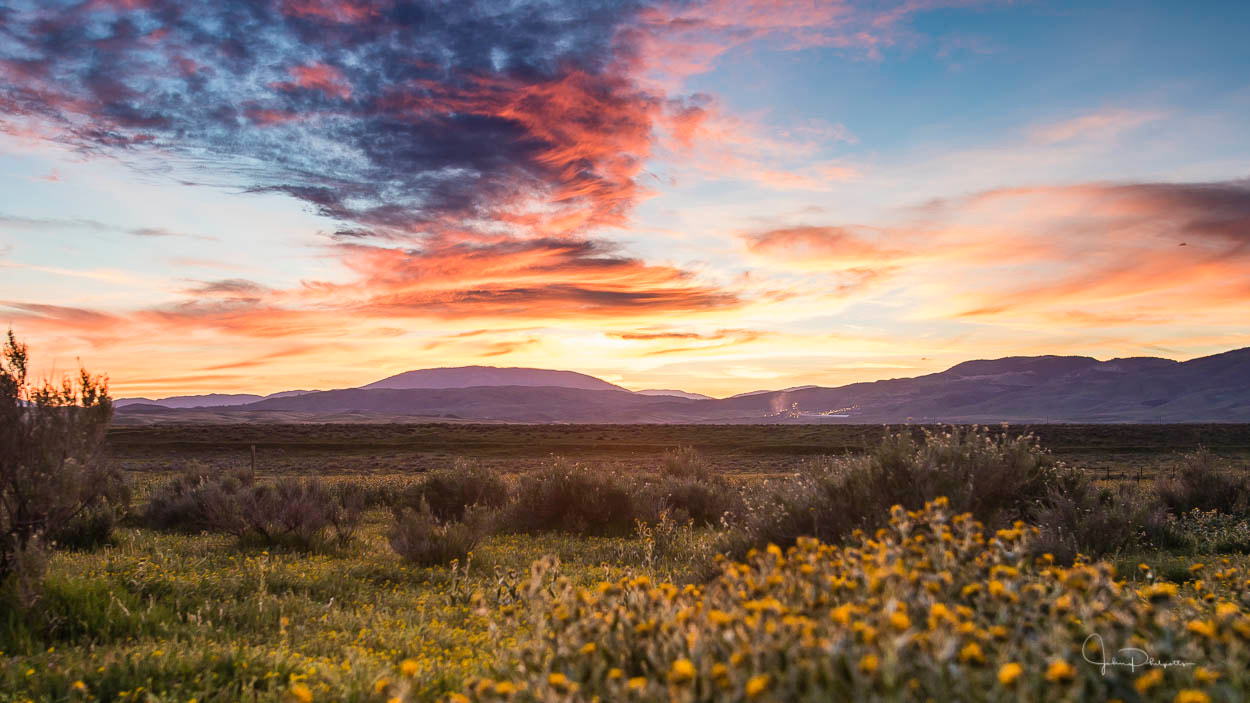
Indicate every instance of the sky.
{"type": "Point", "coordinates": [718, 196]}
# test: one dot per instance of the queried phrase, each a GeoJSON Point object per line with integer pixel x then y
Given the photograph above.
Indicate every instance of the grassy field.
{"type": "Point", "coordinates": [741, 449]}
{"type": "Point", "coordinates": [157, 616]}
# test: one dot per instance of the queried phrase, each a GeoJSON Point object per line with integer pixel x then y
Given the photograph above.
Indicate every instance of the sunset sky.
{"type": "Point", "coordinates": [716, 196]}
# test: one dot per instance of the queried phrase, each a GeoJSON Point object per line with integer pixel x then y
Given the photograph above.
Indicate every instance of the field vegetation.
{"type": "Point", "coordinates": [931, 563]}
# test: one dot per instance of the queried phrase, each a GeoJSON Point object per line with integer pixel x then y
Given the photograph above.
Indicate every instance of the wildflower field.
{"type": "Point", "coordinates": [964, 565]}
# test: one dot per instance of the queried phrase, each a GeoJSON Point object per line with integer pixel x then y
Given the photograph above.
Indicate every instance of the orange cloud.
{"type": "Point", "coordinates": [318, 76]}
{"type": "Point", "coordinates": [824, 246]}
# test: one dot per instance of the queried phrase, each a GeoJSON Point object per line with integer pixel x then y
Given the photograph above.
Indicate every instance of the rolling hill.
{"type": "Point", "coordinates": [1014, 389]}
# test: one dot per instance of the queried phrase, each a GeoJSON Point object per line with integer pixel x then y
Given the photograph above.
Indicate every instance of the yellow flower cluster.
{"type": "Point", "coordinates": [932, 607]}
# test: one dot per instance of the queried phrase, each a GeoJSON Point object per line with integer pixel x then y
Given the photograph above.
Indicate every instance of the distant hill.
{"type": "Point", "coordinates": [212, 400]}
{"type": "Point", "coordinates": [674, 393]}
{"type": "Point", "coordinates": [471, 376]}
{"type": "Point", "coordinates": [1014, 389]}
{"type": "Point", "coordinates": [507, 403]}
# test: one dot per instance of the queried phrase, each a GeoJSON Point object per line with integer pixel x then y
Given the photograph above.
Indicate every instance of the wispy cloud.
{"type": "Point", "coordinates": [1100, 124]}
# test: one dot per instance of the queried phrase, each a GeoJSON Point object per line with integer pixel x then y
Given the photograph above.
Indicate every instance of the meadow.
{"type": "Point", "coordinates": [602, 572]}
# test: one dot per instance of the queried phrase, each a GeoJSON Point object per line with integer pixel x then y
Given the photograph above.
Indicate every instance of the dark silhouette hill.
{"type": "Point", "coordinates": [470, 376]}
{"type": "Point", "coordinates": [1013, 389]}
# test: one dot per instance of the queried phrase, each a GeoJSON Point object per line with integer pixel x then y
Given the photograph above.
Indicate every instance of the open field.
{"type": "Point", "coordinates": [352, 449]}
{"type": "Point", "coordinates": [168, 616]}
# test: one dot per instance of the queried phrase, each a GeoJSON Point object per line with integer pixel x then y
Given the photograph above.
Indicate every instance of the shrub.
{"type": "Point", "coordinates": [1202, 482]}
{"type": "Point", "coordinates": [422, 539]}
{"type": "Point", "coordinates": [1210, 532]}
{"type": "Point", "coordinates": [450, 491]}
{"type": "Point", "coordinates": [89, 529]}
{"type": "Point", "coordinates": [995, 477]}
{"type": "Point", "coordinates": [1095, 521]}
{"type": "Point", "coordinates": [705, 501]}
{"type": "Point", "coordinates": [287, 511]}
{"type": "Point", "coordinates": [353, 500]}
{"type": "Point", "coordinates": [686, 463]}
{"type": "Point", "coordinates": [51, 468]}
{"type": "Point", "coordinates": [195, 502]}
{"type": "Point", "coordinates": [934, 606]}
{"type": "Point", "coordinates": [573, 498]}
{"type": "Point", "coordinates": [291, 509]}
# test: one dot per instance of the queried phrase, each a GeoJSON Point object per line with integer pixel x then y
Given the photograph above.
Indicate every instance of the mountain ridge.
{"type": "Point", "coordinates": [1048, 388]}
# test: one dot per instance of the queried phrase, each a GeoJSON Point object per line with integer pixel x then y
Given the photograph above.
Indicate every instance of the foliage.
{"type": "Point", "coordinates": [422, 539]}
{"type": "Point", "coordinates": [91, 528]}
{"type": "Point", "coordinates": [995, 477]}
{"type": "Point", "coordinates": [1201, 481]}
{"type": "Point", "coordinates": [707, 501]}
{"type": "Point", "coordinates": [685, 462]}
{"type": "Point", "coordinates": [1097, 521]}
{"type": "Point", "coordinates": [287, 511]}
{"type": "Point", "coordinates": [51, 468]}
{"type": "Point", "coordinates": [170, 616]}
{"type": "Point", "coordinates": [1211, 532]}
{"type": "Point", "coordinates": [450, 491]}
{"type": "Point", "coordinates": [574, 498]}
{"type": "Point", "coordinates": [198, 502]}
{"type": "Point", "coordinates": [932, 607]}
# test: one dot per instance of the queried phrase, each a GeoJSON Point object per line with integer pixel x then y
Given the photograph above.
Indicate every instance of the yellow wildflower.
{"type": "Point", "coordinates": [1205, 675]}
{"type": "Point", "coordinates": [1190, 695]}
{"type": "Point", "coordinates": [301, 693]}
{"type": "Point", "coordinates": [1009, 672]}
{"type": "Point", "coordinates": [900, 621]}
{"type": "Point", "coordinates": [683, 670]}
{"type": "Point", "coordinates": [972, 654]}
{"type": "Point", "coordinates": [1059, 670]}
{"type": "Point", "coordinates": [637, 683]}
{"type": "Point", "coordinates": [1148, 680]}
{"type": "Point", "coordinates": [1206, 628]}
{"type": "Point", "coordinates": [757, 684]}
{"type": "Point", "coordinates": [409, 667]}
{"type": "Point", "coordinates": [869, 664]}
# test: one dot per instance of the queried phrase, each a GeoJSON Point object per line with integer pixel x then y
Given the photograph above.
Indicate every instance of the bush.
{"type": "Point", "coordinates": [996, 478]}
{"type": "Point", "coordinates": [450, 491]}
{"type": "Point", "coordinates": [1209, 532]}
{"type": "Point", "coordinates": [1095, 522]}
{"type": "Point", "coordinates": [195, 502]}
{"type": "Point", "coordinates": [87, 530]}
{"type": "Point", "coordinates": [707, 501]}
{"type": "Point", "coordinates": [686, 463]}
{"type": "Point", "coordinates": [1202, 482]}
{"type": "Point", "coordinates": [574, 498]}
{"type": "Point", "coordinates": [290, 510]}
{"type": "Point", "coordinates": [293, 511]}
{"type": "Point", "coordinates": [422, 539]}
{"type": "Point", "coordinates": [51, 468]}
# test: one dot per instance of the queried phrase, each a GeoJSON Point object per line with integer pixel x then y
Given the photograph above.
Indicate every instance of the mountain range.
{"type": "Point", "coordinates": [1013, 389]}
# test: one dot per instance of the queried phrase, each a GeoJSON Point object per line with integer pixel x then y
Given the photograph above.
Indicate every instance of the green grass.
{"type": "Point", "coordinates": [169, 617]}
{"type": "Point", "coordinates": [163, 617]}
